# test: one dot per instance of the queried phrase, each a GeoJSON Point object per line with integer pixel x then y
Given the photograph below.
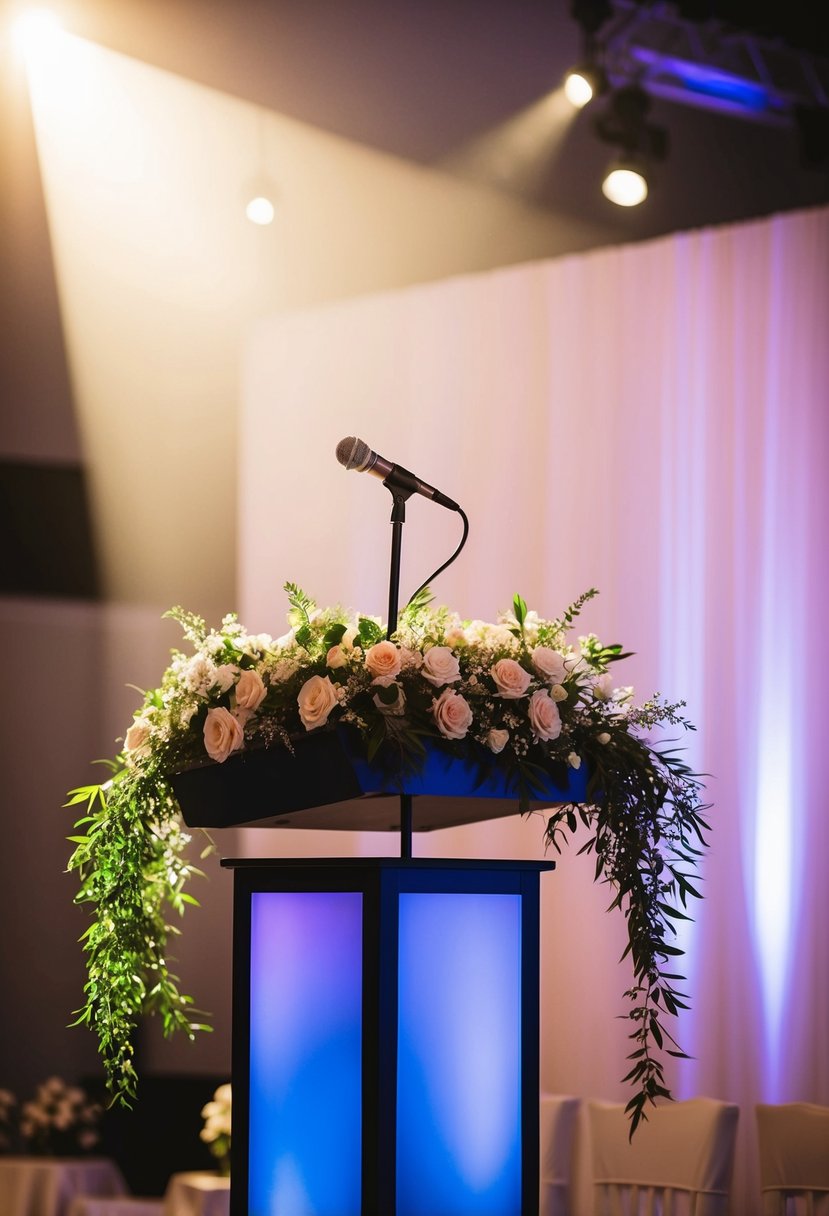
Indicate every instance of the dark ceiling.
{"type": "Point", "coordinates": [422, 79]}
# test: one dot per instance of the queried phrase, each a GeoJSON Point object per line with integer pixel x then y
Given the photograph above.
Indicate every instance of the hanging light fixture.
{"type": "Point", "coordinates": [260, 193]}
{"type": "Point", "coordinates": [584, 82]}
{"type": "Point", "coordinates": [625, 182]}
{"type": "Point", "coordinates": [639, 144]}
{"type": "Point", "coordinates": [260, 208]}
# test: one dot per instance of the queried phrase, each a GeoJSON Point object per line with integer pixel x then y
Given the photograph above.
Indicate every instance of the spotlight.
{"type": "Point", "coordinates": [639, 143]}
{"type": "Point", "coordinates": [583, 83]}
{"type": "Point", "coordinates": [625, 183]}
{"type": "Point", "coordinates": [34, 29]}
{"type": "Point", "coordinates": [260, 210]}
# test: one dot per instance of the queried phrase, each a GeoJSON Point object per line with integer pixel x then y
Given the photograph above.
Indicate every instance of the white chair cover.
{"type": "Point", "coordinates": [794, 1158]}
{"type": "Point", "coordinates": [557, 1125]}
{"type": "Point", "coordinates": [679, 1163]}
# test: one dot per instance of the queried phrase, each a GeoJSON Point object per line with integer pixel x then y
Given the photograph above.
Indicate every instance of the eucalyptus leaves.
{"type": "Point", "coordinates": [516, 689]}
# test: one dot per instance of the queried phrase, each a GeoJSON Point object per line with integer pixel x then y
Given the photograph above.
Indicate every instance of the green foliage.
{"type": "Point", "coordinates": [648, 829]}
{"type": "Point", "coordinates": [132, 870]}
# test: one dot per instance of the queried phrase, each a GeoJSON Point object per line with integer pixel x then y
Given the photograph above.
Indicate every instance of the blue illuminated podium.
{"type": "Point", "coordinates": [386, 1026]}
{"type": "Point", "coordinates": [386, 1034]}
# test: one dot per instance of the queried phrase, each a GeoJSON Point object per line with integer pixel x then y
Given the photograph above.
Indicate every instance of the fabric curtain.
{"type": "Point", "coordinates": [652, 421]}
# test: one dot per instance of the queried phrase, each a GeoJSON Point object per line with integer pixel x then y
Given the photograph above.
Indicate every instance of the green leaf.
{"type": "Point", "coordinates": [369, 632]}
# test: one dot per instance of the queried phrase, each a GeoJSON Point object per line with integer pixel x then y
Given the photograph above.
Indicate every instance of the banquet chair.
{"type": "Point", "coordinates": [557, 1125]}
{"type": "Point", "coordinates": [679, 1162]}
{"type": "Point", "coordinates": [793, 1140]}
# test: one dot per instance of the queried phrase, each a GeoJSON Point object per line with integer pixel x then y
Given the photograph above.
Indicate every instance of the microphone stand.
{"type": "Point", "coordinates": [398, 518]}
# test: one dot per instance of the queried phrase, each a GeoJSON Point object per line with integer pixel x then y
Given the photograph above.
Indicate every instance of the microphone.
{"type": "Point", "coordinates": [354, 453]}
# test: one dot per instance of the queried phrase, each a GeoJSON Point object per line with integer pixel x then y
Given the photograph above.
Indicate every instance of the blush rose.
{"type": "Point", "coordinates": [511, 680]}
{"type": "Point", "coordinates": [223, 734]}
{"type": "Point", "coordinates": [440, 666]}
{"type": "Point", "coordinates": [452, 714]}
{"type": "Point", "coordinates": [383, 659]}
{"type": "Point", "coordinates": [316, 699]}
{"type": "Point", "coordinates": [544, 716]}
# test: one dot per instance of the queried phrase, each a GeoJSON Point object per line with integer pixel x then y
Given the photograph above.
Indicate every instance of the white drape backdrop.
{"type": "Point", "coordinates": [651, 421]}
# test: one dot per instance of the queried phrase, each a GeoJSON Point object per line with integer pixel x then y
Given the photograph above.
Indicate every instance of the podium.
{"type": "Point", "coordinates": [385, 1010]}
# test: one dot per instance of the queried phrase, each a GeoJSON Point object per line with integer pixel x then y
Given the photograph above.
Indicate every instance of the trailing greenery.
{"type": "Point", "coordinates": [515, 694]}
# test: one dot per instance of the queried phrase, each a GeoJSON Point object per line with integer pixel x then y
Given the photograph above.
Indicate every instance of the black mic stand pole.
{"type": "Point", "coordinates": [398, 518]}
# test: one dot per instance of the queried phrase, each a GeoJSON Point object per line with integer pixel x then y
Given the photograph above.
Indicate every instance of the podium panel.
{"type": "Point", "coordinates": [385, 1038]}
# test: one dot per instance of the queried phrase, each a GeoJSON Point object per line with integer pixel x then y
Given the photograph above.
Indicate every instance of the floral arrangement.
{"type": "Point", "coordinates": [517, 689]}
{"type": "Point", "coordinates": [8, 1104]}
{"type": "Point", "coordinates": [217, 1126]}
{"type": "Point", "coordinates": [60, 1121]}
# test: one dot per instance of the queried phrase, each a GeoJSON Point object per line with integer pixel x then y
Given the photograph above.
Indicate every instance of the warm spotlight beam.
{"type": "Point", "coordinates": [34, 32]}
{"type": "Point", "coordinates": [517, 154]}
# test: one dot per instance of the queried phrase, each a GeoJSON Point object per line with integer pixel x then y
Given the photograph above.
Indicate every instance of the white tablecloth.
{"type": "Point", "coordinates": [86, 1205]}
{"type": "Point", "coordinates": [46, 1186]}
{"type": "Point", "coordinates": [197, 1194]}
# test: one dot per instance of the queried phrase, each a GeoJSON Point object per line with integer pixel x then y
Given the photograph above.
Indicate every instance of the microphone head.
{"type": "Point", "coordinates": [353, 453]}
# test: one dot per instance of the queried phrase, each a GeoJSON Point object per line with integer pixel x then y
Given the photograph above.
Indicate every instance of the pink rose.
{"type": "Point", "coordinates": [452, 714]}
{"type": "Point", "coordinates": [549, 664]}
{"type": "Point", "coordinates": [511, 680]}
{"type": "Point", "coordinates": [222, 734]}
{"type": "Point", "coordinates": [544, 716]}
{"type": "Point", "coordinates": [250, 691]}
{"type": "Point", "coordinates": [440, 666]}
{"type": "Point", "coordinates": [497, 740]}
{"type": "Point", "coordinates": [383, 659]}
{"type": "Point", "coordinates": [316, 699]}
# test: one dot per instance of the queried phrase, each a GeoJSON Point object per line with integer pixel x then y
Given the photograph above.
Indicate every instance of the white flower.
{"type": "Point", "coordinates": [250, 691]}
{"type": "Point", "coordinates": [511, 680]}
{"type": "Point", "coordinates": [603, 738]}
{"type": "Point", "coordinates": [452, 714]}
{"type": "Point", "coordinates": [316, 699]}
{"type": "Point", "coordinates": [137, 737]}
{"type": "Point", "coordinates": [350, 637]}
{"type": "Point", "coordinates": [336, 657]}
{"type": "Point", "coordinates": [549, 664]}
{"type": "Point", "coordinates": [383, 659]}
{"type": "Point", "coordinates": [410, 660]}
{"type": "Point", "coordinates": [573, 760]}
{"type": "Point", "coordinates": [225, 676]}
{"type": "Point", "coordinates": [603, 687]}
{"type": "Point", "coordinates": [282, 670]}
{"type": "Point", "coordinates": [544, 716]}
{"type": "Point", "coordinates": [497, 740]}
{"type": "Point", "coordinates": [222, 734]}
{"type": "Point", "coordinates": [558, 692]}
{"type": "Point", "coordinates": [200, 675]}
{"type": "Point", "coordinates": [440, 666]}
{"type": "Point", "coordinates": [456, 637]}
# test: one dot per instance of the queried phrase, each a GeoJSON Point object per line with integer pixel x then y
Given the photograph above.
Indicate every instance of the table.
{"type": "Point", "coordinates": [46, 1186]}
{"type": "Point", "coordinates": [197, 1193]}
{"type": "Point", "coordinates": [115, 1205]}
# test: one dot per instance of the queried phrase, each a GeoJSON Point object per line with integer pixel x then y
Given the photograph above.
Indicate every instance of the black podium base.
{"type": "Point", "coordinates": [386, 1028]}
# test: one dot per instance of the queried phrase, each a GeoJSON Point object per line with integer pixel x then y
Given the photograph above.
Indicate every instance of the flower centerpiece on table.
{"type": "Point", "coordinates": [518, 690]}
{"type": "Point", "coordinates": [8, 1121]}
{"type": "Point", "coordinates": [217, 1126]}
{"type": "Point", "coordinates": [60, 1121]}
